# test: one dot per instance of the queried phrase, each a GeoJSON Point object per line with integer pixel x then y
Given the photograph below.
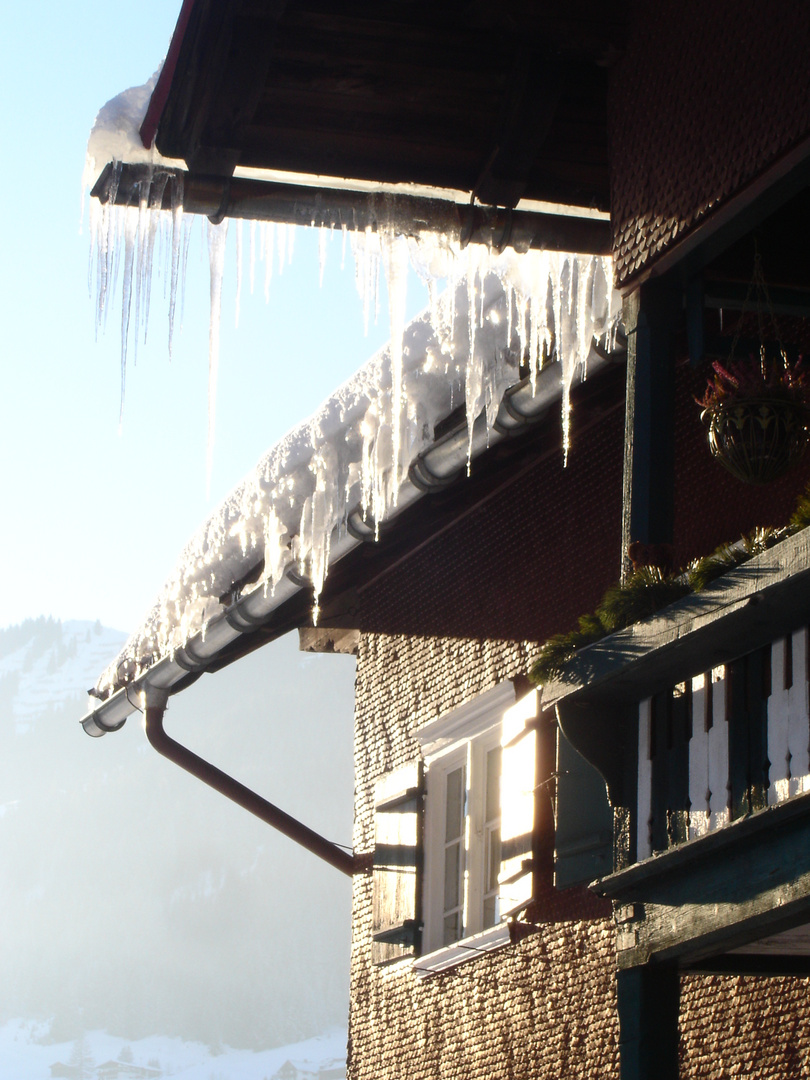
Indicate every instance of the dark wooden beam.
{"type": "Point", "coordinates": [295, 204]}
{"type": "Point", "coordinates": [754, 964]}
{"type": "Point", "coordinates": [648, 1000]}
{"type": "Point", "coordinates": [746, 881]}
{"type": "Point", "coordinates": [651, 316]}
{"type": "Point", "coordinates": [733, 296]}
{"type": "Point", "coordinates": [527, 114]}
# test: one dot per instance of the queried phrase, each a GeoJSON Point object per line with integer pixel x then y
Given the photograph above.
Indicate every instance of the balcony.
{"type": "Point", "coordinates": [699, 722]}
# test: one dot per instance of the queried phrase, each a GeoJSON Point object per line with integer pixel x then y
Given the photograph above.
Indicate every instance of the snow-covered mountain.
{"type": "Point", "coordinates": [134, 900]}
{"type": "Point", "coordinates": [46, 664]}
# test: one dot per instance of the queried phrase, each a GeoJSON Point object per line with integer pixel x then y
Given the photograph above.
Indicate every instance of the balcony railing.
{"type": "Point", "coordinates": [723, 744]}
{"type": "Point", "coordinates": [700, 715]}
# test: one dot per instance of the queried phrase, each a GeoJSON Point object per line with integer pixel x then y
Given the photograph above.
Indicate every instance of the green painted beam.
{"type": "Point", "coordinates": [648, 1002]}
{"type": "Point", "coordinates": [746, 881]}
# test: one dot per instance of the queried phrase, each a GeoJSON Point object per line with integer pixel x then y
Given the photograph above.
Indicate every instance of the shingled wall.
{"type": "Point", "coordinates": [705, 98]}
{"type": "Point", "coordinates": [462, 613]}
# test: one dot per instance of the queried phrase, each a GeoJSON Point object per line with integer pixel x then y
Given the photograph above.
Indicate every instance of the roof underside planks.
{"type": "Point", "coordinates": [509, 102]}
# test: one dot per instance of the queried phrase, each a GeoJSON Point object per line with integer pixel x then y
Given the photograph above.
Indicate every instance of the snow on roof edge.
{"type": "Point", "coordinates": [288, 510]}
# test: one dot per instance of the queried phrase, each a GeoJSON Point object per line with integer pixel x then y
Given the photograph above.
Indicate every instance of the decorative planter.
{"type": "Point", "coordinates": [758, 440]}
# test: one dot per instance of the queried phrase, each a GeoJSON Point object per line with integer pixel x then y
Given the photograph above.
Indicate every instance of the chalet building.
{"type": "Point", "coordinates": [608, 875]}
{"type": "Point", "coordinates": [125, 1070]}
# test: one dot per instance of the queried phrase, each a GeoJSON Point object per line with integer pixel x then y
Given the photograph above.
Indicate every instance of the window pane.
{"type": "Point", "coordinates": [452, 866]}
{"type": "Point", "coordinates": [490, 912]}
{"type": "Point", "coordinates": [493, 858]}
{"type": "Point", "coordinates": [493, 797]}
{"type": "Point", "coordinates": [452, 928]}
{"type": "Point", "coordinates": [455, 804]}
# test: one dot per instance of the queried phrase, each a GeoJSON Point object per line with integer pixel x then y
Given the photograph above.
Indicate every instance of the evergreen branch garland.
{"type": "Point", "coordinates": [648, 589]}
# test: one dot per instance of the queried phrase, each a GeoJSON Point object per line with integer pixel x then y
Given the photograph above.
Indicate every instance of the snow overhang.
{"type": "Point", "coordinates": [190, 631]}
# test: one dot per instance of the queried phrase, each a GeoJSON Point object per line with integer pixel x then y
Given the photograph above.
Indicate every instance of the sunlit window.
{"type": "Point", "coordinates": [463, 838]}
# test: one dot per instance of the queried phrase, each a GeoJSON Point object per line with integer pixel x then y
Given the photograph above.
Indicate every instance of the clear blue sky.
{"type": "Point", "coordinates": [94, 520]}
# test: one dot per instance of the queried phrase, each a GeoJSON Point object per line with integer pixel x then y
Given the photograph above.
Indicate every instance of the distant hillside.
{"type": "Point", "coordinates": [134, 899]}
{"type": "Point", "coordinates": [46, 664]}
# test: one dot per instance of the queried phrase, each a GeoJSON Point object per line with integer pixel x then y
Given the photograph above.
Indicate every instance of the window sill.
{"type": "Point", "coordinates": [496, 937]}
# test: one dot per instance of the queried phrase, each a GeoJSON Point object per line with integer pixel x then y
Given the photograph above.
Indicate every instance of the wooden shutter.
{"type": "Point", "coordinates": [583, 839]}
{"type": "Point", "coordinates": [519, 770]}
{"type": "Point", "coordinates": [397, 871]}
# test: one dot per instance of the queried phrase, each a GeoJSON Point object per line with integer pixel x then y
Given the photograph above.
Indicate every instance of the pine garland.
{"type": "Point", "coordinates": [649, 589]}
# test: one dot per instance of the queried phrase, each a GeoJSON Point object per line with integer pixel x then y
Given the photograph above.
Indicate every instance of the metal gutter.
{"type": "Point", "coordinates": [154, 710]}
{"type": "Point", "coordinates": [435, 467]}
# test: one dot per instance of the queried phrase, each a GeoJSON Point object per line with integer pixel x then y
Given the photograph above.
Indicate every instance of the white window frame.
{"type": "Point", "coordinates": [462, 737]}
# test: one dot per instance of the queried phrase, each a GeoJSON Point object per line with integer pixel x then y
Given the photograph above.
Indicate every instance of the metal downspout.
{"type": "Point", "coordinates": [226, 785]}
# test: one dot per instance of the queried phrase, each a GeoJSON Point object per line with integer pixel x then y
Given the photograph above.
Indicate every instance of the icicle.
{"type": "Point", "coordinates": [396, 275]}
{"type": "Point", "coordinates": [238, 271]}
{"type": "Point", "coordinates": [497, 311]}
{"type": "Point", "coordinates": [177, 230]}
{"type": "Point", "coordinates": [252, 255]}
{"type": "Point", "coordinates": [217, 235]}
{"type": "Point", "coordinates": [322, 236]}
{"type": "Point", "coordinates": [268, 241]}
{"type": "Point", "coordinates": [281, 243]}
{"type": "Point", "coordinates": [130, 239]}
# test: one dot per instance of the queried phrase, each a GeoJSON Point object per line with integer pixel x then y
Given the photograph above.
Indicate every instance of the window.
{"type": "Point", "coordinates": [463, 893]}
{"type": "Point", "coordinates": [463, 819]}
{"type": "Point", "coordinates": [454, 834]}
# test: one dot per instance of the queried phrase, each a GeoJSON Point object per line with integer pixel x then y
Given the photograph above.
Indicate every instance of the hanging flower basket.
{"type": "Point", "coordinates": [757, 409]}
{"type": "Point", "coordinates": [757, 439]}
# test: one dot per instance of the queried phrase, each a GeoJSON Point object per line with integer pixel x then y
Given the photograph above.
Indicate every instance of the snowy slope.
{"type": "Point", "coordinates": [47, 664]}
{"type": "Point", "coordinates": [27, 1054]}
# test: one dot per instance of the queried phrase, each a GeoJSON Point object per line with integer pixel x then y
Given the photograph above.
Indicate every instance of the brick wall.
{"type": "Point", "coordinates": [705, 97]}
{"type": "Point", "coordinates": [508, 1015]}
{"type": "Point", "coordinates": [526, 561]}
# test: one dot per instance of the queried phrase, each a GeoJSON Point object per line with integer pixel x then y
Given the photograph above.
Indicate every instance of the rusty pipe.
{"type": "Point", "coordinates": [238, 793]}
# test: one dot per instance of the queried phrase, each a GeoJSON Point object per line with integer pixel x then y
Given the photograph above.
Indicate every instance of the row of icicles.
{"type": "Point", "coordinates": [551, 307]}
{"type": "Point", "coordinates": [557, 298]}
{"type": "Point", "coordinates": [552, 299]}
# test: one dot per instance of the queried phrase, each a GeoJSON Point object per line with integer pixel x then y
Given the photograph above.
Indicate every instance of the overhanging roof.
{"type": "Point", "coordinates": [506, 101]}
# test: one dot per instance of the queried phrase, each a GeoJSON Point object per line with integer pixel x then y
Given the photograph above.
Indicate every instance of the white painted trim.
{"type": "Point", "coordinates": [496, 937]}
{"type": "Point", "coordinates": [468, 721]}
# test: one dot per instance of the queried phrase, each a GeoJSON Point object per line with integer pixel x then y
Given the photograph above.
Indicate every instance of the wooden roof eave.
{"type": "Point", "coordinates": [228, 64]}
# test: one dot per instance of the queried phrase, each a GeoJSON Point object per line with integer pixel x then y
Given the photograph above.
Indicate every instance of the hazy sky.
{"type": "Point", "coordinates": [94, 520]}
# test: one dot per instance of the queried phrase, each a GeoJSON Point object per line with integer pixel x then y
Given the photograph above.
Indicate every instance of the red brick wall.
{"type": "Point", "coordinates": [704, 98]}
{"type": "Point", "coordinates": [525, 563]}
